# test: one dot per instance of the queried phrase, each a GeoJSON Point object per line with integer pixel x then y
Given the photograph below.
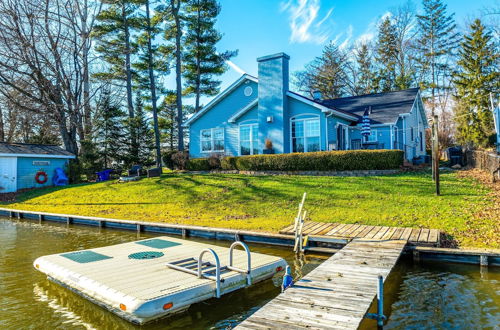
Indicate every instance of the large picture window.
{"type": "Point", "coordinates": [249, 135]}
{"type": "Point", "coordinates": [212, 140]}
{"type": "Point", "coordinates": [305, 135]}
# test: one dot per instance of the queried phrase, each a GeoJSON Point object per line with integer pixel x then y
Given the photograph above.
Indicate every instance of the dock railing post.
{"type": "Point", "coordinates": [380, 302]}
{"type": "Point", "coordinates": [379, 316]}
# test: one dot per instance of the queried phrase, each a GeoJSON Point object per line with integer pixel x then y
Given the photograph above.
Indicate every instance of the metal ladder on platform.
{"type": "Point", "coordinates": [202, 269]}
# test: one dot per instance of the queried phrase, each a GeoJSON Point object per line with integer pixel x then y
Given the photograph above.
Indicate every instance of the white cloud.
{"type": "Point", "coordinates": [305, 22]}
{"type": "Point", "coordinates": [371, 29]}
{"type": "Point", "coordinates": [235, 67]}
{"type": "Point", "coordinates": [347, 41]}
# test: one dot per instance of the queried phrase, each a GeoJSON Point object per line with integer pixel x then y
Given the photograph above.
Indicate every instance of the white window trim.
{"type": "Point", "coordinates": [251, 135]}
{"type": "Point", "coordinates": [307, 117]}
{"type": "Point", "coordinates": [212, 140]}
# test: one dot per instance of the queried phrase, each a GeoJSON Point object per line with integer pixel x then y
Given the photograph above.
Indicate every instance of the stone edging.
{"type": "Point", "coordinates": [311, 173]}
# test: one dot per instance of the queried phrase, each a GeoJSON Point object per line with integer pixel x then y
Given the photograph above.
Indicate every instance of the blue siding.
{"type": "Point", "coordinates": [298, 109]}
{"type": "Point", "coordinates": [218, 117]}
{"type": "Point", "coordinates": [26, 171]}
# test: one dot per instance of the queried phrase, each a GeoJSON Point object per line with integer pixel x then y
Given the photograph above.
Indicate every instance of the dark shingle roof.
{"type": "Point", "coordinates": [32, 149]}
{"type": "Point", "coordinates": [386, 107]}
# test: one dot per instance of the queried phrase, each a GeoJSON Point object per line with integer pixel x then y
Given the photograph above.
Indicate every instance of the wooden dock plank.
{"type": "Point", "coordinates": [433, 236]}
{"type": "Point", "coordinates": [389, 233]}
{"type": "Point", "coordinates": [336, 229]}
{"type": "Point", "coordinates": [320, 228]}
{"type": "Point", "coordinates": [406, 234]}
{"type": "Point", "coordinates": [415, 232]}
{"type": "Point", "coordinates": [397, 234]}
{"type": "Point", "coordinates": [312, 228]}
{"type": "Point", "coordinates": [335, 295]}
{"type": "Point", "coordinates": [343, 230]}
{"type": "Point", "coordinates": [381, 233]}
{"type": "Point", "coordinates": [424, 236]}
{"type": "Point", "coordinates": [329, 228]}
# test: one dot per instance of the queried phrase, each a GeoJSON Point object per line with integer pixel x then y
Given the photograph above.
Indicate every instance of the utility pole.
{"type": "Point", "coordinates": [435, 154]}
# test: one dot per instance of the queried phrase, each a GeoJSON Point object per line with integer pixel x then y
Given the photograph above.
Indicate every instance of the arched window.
{"type": "Point", "coordinates": [305, 134]}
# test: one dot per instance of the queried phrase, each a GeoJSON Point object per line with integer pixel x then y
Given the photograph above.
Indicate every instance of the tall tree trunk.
{"type": "Point", "coordinates": [87, 111]}
{"type": "Point", "coordinates": [198, 62]}
{"type": "Point", "coordinates": [2, 127]}
{"type": "Point", "coordinates": [176, 4]}
{"type": "Point", "coordinates": [152, 86]}
{"type": "Point", "coordinates": [128, 73]}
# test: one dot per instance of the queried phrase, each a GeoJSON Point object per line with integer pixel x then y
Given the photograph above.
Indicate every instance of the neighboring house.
{"type": "Point", "coordinates": [240, 119]}
{"type": "Point", "coordinates": [20, 163]}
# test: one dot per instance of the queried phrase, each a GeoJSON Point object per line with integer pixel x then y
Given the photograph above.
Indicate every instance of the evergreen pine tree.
{"type": "Point", "coordinates": [365, 82]}
{"type": "Point", "coordinates": [436, 43]}
{"type": "Point", "coordinates": [202, 62]}
{"type": "Point", "coordinates": [109, 130]}
{"type": "Point", "coordinates": [145, 136]}
{"type": "Point", "coordinates": [477, 76]}
{"type": "Point", "coordinates": [387, 53]}
{"type": "Point", "coordinates": [327, 74]}
{"type": "Point", "coordinates": [113, 33]}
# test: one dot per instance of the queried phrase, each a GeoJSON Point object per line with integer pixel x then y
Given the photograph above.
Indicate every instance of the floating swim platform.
{"type": "Point", "coordinates": [149, 279]}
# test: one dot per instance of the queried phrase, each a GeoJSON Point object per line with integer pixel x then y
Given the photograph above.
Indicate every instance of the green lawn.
{"type": "Point", "coordinates": [270, 203]}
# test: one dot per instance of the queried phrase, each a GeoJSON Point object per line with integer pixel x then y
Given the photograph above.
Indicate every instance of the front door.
{"type": "Point", "coordinates": [342, 137]}
{"type": "Point", "coordinates": [8, 174]}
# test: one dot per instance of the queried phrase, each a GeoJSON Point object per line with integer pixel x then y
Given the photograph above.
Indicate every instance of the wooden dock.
{"type": "Point", "coordinates": [335, 295]}
{"type": "Point", "coordinates": [414, 236]}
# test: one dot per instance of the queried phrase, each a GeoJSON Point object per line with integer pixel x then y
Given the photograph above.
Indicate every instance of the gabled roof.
{"type": "Point", "coordinates": [386, 107]}
{"type": "Point", "coordinates": [243, 110]}
{"type": "Point", "coordinates": [219, 97]}
{"type": "Point", "coordinates": [323, 108]}
{"type": "Point", "coordinates": [33, 150]}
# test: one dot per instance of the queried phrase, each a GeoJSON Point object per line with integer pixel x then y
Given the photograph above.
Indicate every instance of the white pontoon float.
{"type": "Point", "coordinates": [145, 280]}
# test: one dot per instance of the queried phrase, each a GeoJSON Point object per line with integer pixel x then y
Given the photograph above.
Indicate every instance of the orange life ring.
{"type": "Point", "coordinates": [41, 177]}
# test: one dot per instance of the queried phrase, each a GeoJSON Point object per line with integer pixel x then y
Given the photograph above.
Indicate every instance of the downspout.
{"type": "Point", "coordinates": [392, 136]}
{"type": "Point", "coordinates": [326, 131]}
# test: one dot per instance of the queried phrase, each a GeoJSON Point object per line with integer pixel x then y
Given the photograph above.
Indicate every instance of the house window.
{"type": "Point", "coordinates": [372, 137]}
{"type": "Point", "coordinates": [305, 135]}
{"type": "Point", "coordinates": [249, 135]}
{"type": "Point", "coordinates": [212, 140]}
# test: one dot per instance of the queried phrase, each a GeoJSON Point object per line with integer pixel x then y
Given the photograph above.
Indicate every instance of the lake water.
{"type": "Point", "coordinates": [425, 295]}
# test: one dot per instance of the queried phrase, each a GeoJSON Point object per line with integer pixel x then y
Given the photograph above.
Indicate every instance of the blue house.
{"type": "Point", "coordinates": [22, 165]}
{"type": "Point", "coordinates": [252, 110]}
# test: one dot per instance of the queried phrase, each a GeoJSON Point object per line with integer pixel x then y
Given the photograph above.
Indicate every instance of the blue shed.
{"type": "Point", "coordinates": [20, 163]}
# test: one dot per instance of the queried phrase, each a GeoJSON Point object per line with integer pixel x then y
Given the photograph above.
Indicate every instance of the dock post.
{"type": "Point", "coordinates": [380, 302]}
{"type": "Point", "coordinates": [139, 228]}
{"type": "Point", "coordinates": [237, 237]}
{"type": "Point", "coordinates": [184, 233]}
{"type": "Point", "coordinates": [379, 316]}
{"type": "Point", "coordinates": [11, 214]}
{"type": "Point", "coordinates": [69, 220]}
{"type": "Point", "coordinates": [40, 217]}
{"type": "Point", "coordinates": [19, 215]}
{"type": "Point", "coordinates": [483, 260]}
{"type": "Point", "coordinates": [416, 255]}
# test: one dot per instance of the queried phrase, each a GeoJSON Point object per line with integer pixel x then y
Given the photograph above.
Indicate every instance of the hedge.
{"type": "Point", "coordinates": [199, 164]}
{"type": "Point", "coordinates": [350, 160]}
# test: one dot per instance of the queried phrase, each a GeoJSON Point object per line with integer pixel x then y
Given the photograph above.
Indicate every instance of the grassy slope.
{"type": "Point", "coordinates": [269, 203]}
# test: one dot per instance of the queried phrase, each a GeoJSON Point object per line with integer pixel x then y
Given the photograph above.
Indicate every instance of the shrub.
{"type": "Point", "coordinates": [198, 164]}
{"type": "Point", "coordinates": [318, 161]}
{"type": "Point", "coordinates": [167, 158]}
{"type": "Point", "coordinates": [180, 160]}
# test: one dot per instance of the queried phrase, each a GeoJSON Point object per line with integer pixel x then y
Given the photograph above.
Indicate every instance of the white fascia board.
{"type": "Point", "coordinates": [37, 156]}
{"type": "Point", "coordinates": [219, 97]}
{"type": "Point", "coordinates": [321, 107]}
{"type": "Point", "coordinates": [241, 112]}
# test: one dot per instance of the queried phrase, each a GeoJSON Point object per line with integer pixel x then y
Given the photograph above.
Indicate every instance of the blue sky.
{"type": "Point", "coordinates": [301, 28]}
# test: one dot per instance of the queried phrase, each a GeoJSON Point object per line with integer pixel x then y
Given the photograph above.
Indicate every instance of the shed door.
{"type": "Point", "coordinates": [8, 174]}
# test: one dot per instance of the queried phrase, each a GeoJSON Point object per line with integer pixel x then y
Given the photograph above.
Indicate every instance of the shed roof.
{"type": "Point", "coordinates": [386, 107]}
{"type": "Point", "coordinates": [33, 150]}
